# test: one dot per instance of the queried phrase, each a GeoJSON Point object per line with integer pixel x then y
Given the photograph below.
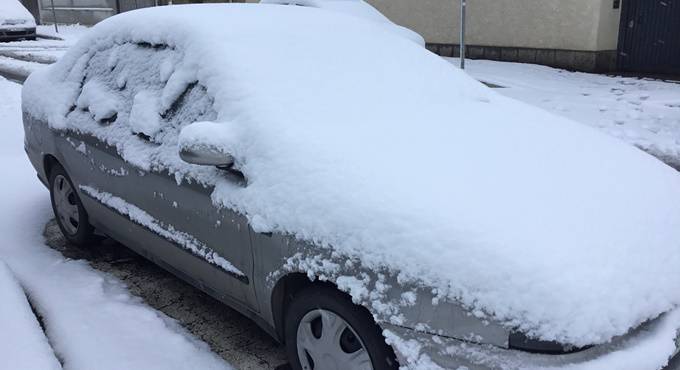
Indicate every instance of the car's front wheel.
{"type": "Point", "coordinates": [68, 209]}
{"type": "Point", "coordinates": [325, 330]}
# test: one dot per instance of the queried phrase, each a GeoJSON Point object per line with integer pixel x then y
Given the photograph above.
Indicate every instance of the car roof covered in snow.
{"type": "Point", "coordinates": [355, 138]}
{"type": "Point", "coordinates": [14, 10]}
{"type": "Point", "coordinates": [357, 8]}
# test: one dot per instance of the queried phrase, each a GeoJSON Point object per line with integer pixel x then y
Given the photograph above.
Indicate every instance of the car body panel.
{"type": "Point", "coordinates": [452, 353]}
{"type": "Point", "coordinates": [185, 208]}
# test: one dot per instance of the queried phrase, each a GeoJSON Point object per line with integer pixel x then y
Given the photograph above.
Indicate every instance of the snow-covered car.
{"type": "Point", "coordinates": [362, 200]}
{"type": "Point", "coordinates": [356, 8]}
{"type": "Point", "coordinates": [16, 22]}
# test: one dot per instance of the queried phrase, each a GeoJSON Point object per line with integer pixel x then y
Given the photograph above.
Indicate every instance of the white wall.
{"type": "Point", "coordinates": [588, 25]}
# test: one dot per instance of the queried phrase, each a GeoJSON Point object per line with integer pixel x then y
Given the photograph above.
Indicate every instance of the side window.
{"type": "Point", "coordinates": [140, 90]}
{"type": "Point", "coordinates": [193, 105]}
{"type": "Point", "coordinates": [113, 79]}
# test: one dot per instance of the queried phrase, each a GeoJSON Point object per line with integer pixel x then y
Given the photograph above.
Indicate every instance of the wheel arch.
{"type": "Point", "coordinates": [49, 162]}
{"type": "Point", "coordinates": [285, 290]}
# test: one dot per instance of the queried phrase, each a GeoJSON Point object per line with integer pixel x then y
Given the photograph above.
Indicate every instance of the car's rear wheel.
{"type": "Point", "coordinates": [68, 209]}
{"type": "Point", "coordinates": [326, 331]}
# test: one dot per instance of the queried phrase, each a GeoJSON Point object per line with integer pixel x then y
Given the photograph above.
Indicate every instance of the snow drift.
{"type": "Point", "coordinates": [24, 345]}
{"type": "Point", "coordinates": [362, 141]}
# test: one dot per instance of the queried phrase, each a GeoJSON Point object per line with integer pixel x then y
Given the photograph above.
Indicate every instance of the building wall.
{"type": "Point", "coordinates": [77, 11]}
{"type": "Point", "coordinates": [574, 34]}
{"type": "Point", "coordinates": [588, 25]}
{"type": "Point", "coordinates": [608, 31]}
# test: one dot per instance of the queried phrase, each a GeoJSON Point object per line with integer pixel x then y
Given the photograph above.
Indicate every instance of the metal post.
{"type": "Point", "coordinates": [463, 5]}
{"type": "Point", "coordinates": [54, 16]}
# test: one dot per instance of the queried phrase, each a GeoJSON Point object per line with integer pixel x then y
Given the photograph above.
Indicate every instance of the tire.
{"type": "Point", "coordinates": [68, 210]}
{"type": "Point", "coordinates": [319, 306]}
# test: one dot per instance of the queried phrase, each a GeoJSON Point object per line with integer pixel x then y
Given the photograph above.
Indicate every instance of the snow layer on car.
{"type": "Point", "coordinates": [363, 142]}
{"type": "Point", "coordinates": [98, 101]}
{"type": "Point", "coordinates": [357, 8]}
{"type": "Point", "coordinates": [14, 15]}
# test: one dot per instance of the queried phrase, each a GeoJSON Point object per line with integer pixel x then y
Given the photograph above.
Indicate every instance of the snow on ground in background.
{"type": "Point", "coordinates": [68, 32]}
{"type": "Point", "coordinates": [91, 320]}
{"type": "Point", "coordinates": [642, 112]}
{"type": "Point", "coordinates": [24, 345]}
{"type": "Point", "coordinates": [18, 67]}
{"type": "Point", "coordinates": [46, 50]}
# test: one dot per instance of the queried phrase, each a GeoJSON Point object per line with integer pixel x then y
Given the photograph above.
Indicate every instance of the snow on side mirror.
{"type": "Point", "coordinates": [207, 144]}
{"type": "Point", "coordinates": [206, 156]}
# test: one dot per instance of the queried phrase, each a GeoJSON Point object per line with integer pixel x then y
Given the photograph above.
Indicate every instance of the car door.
{"type": "Point", "coordinates": [126, 159]}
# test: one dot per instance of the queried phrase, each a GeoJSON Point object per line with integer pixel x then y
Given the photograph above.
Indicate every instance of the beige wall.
{"type": "Point", "coordinates": [608, 32]}
{"type": "Point", "coordinates": [588, 25]}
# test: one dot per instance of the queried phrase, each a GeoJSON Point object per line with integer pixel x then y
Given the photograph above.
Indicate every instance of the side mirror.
{"type": "Point", "coordinates": [206, 156]}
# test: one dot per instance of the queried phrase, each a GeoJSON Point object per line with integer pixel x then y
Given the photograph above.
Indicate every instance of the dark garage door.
{"type": "Point", "coordinates": [649, 40]}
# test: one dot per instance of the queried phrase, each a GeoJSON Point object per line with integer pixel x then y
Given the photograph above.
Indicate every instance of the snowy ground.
{"type": "Point", "coordinates": [24, 345]}
{"type": "Point", "coordinates": [91, 320]}
{"type": "Point", "coordinates": [642, 112]}
{"type": "Point", "coordinates": [24, 57]}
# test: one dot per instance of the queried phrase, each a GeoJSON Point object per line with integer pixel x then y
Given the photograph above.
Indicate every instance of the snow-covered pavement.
{"type": "Point", "coordinates": [92, 322]}
{"type": "Point", "coordinates": [642, 112]}
{"type": "Point", "coordinates": [20, 58]}
{"type": "Point", "coordinates": [24, 345]}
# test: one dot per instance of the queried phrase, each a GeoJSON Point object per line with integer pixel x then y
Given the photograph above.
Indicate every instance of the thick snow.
{"type": "Point", "coordinates": [144, 116]}
{"type": "Point", "coordinates": [92, 322]}
{"type": "Point", "coordinates": [24, 345]}
{"type": "Point", "coordinates": [14, 15]}
{"type": "Point", "coordinates": [642, 112]}
{"type": "Point", "coordinates": [98, 101]}
{"type": "Point", "coordinates": [356, 8]}
{"type": "Point", "coordinates": [366, 143]}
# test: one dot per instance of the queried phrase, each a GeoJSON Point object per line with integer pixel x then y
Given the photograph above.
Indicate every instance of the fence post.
{"type": "Point", "coordinates": [54, 17]}
{"type": "Point", "coordinates": [463, 5]}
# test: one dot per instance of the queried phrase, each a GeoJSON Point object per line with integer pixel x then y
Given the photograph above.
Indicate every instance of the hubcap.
{"type": "Point", "coordinates": [325, 341]}
{"type": "Point", "coordinates": [65, 205]}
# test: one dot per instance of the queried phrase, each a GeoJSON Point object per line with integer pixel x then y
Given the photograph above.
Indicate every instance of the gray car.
{"type": "Point", "coordinates": [303, 294]}
{"type": "Point", "coordinates": [16, 23]}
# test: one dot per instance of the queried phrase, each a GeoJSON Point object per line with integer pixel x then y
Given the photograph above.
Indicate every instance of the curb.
{"type": "Point", "coordinates": [44, 36]}
{"type": "Point", "coordinates": [33, 58]}
{"type": "Point", "coordinates": [14, 75]}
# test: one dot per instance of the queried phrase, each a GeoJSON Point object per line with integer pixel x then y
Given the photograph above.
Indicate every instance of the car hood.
{"type": "Point", "coordinates": [13, 14]}
{"type": "Point", "coordinates": [365, 143]}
